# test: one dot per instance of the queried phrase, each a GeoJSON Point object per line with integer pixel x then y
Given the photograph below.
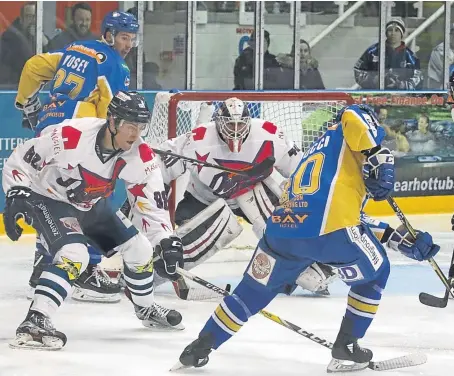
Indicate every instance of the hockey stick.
{"type": "Point", "coordinates": [399, 362]}
{"type": "Point", "coordinates": [412, 232]}
{"type": "Point", "coordinates": [252, 171]}
{"type": "Point", "coordinates": [435, 301]}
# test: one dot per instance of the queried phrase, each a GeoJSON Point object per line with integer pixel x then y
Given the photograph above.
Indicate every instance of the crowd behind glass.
{"type": "Point", "coordinates": [419, 65]}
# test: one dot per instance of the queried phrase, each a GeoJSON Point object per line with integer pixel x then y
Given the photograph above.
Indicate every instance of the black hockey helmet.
{"type": "Point", "coordinates": [130, 107]}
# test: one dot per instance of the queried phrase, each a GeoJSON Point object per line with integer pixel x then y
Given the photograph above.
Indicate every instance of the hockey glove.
{"type": "Point", "coordinates": [30, 112]}
{"type": "Point", "coordinates": [420, 249]}
{"type": "Point", "coordinates": [378, 174]}
{"type": "Point", "coordinates": [170, 252]}
{"type": "Point", "coordinates": [17, 206]}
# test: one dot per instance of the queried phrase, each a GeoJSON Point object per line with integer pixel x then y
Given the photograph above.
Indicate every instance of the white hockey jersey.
{"type": "Point", "coordinates": [204, 143]}
{"type": "Point", "coordinates": [63, 164]}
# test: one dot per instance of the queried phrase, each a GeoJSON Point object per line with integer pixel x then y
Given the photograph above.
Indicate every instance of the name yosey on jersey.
{"type": "Point", "coordinates": [75, 63]}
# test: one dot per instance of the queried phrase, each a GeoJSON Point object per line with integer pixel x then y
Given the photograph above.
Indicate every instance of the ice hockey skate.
{"type": "Point", "coordinates": [196, 353]}
{"type": "Point", "coordinates": [347, 355]}
{"type": "Point", "coordinates": [94, 285]}
{"type": "Point", "coordinates": [37, 333]}
{"type": "Point", "coordinates": [158, 317]}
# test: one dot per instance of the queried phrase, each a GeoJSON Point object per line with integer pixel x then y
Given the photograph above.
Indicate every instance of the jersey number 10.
{"type": "Point", "coordinates": [306, 179]}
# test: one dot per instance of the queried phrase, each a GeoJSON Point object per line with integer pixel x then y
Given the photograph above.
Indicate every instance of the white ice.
{"type": "Point", "coordinates": [109, 340]}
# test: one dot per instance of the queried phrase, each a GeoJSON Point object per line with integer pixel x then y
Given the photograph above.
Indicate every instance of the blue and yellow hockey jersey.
{"type": "Point", "coordinates": [326, 191]}
{"type": "Point", "coordinates": [84, 76]}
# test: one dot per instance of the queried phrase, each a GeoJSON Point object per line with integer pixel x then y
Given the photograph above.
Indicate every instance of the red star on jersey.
{"type": "Point", "coordinates": [137, 190]}
{"type": "Point", "coordinates": [201, 158]}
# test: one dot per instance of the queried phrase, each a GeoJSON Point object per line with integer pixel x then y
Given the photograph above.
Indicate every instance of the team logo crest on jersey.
{"type": "Point", "coordinates": [228, 185]}
{"type": "Point", "coordinates": [261, 267]}
{"type": "Point", "coordinates": [102, 57]}
{"type": "Point", "coordinates": [92, 186]}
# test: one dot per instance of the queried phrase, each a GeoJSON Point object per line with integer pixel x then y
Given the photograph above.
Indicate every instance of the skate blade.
{"type": "Point", "coordinates": [155, 326]}
{"type": "Point", "coordinates": [178, 367]}
{"type": "Point", "coordinates": [52, 344]}
{"type": "Point", "coordinates": [81, 296]}
{"type": "Point", "coordinates": [337, 365]}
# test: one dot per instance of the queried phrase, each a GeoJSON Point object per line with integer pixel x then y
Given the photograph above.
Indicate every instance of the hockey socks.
{"type": "Point", "coordinates": [363, 302]}
{"type": "Point", "coordinates": [235, 310]}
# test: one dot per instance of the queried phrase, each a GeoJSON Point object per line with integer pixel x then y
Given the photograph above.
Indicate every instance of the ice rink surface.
{"type": "Point", "coordinates": [107, 339]}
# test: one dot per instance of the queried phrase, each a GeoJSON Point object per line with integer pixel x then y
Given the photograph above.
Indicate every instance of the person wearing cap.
{"type": "Point", "coordinates": [435, 68]}
{"type": "Point", "coordinates": [243, 71]}
{"type": "Point", "coordinates": [402, 67]}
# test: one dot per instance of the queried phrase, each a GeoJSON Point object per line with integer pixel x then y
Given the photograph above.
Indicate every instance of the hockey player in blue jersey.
{"type": "Point", "coordinates": [83, 77]}
{"type": "Point", "coordinates": [319, 220]}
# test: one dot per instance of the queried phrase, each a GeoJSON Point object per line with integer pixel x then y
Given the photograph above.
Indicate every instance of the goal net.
{"type": "Point", "coordinates": [302, 116]}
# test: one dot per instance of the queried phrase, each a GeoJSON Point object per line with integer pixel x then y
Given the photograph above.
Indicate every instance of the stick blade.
{"type": "Point", "coordinates": [432, 301]}
{"type": "Point", "coordinates": [409, 360]}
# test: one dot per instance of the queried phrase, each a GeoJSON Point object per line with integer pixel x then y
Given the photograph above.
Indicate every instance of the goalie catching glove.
{"type": "Point", "coordinates": [170, 252]}
{"type": "Point", "coordinates": [420, 249]}
{"type": "Point", "coordinates": [378, 173]}
{"type": "Point", "coordinates": [17, 206]}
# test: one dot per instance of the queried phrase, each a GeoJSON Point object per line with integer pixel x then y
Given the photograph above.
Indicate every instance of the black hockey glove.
{"type": "Point", "coordinates": [170, 252]}
{"type": "Point", "coordinates": [17, 206]}
{"type": "Point", "coordinates": [30, 112]}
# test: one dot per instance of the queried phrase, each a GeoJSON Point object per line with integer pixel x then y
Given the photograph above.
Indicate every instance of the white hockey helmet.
{"type": "Point", "coordinates": [233, 123]}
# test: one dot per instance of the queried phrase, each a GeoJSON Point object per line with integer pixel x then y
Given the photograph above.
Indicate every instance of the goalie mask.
{"type": "Point", "coordinates": [233, 123]}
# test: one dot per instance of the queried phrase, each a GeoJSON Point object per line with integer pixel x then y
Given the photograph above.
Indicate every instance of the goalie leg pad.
{"type": "Point", "coordinates": [316, 277]}
{"type": "Point", "coordinates": [257, 207]}
{"type": "Point", "coordinates": [207, 233]}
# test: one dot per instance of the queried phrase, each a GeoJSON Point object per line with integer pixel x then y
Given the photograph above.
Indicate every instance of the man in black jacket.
{"type": "Point", "coordinates": [402, 68]}
{"type": "Point", "coordinates": [244, 66]}
{"type": "Point", "coordinates": [78, 30]}
{"type": "Point", "coordinates": [17, 45]}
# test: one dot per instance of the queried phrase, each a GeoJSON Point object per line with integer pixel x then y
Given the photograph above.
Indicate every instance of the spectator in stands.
{"type": "Point", "coordinates": [394, 129]}
{"type": "Point", "coordinates": [78, 30]}
{"type": "Point", "coordinates": [402, 68]}
{"type": "Point", "coordinates": [244, 66]}
{"type": "Point", "coordinates": [421, 141]}
{"type": "Point", "coordinates": [310, 77]}
{"type": "Point", "coordinates": [435, 68]}
{"type": "Point", "coordinates": [17, 45]}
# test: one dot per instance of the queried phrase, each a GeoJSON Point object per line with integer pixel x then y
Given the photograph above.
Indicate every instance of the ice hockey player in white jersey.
{"type": "Point", "coordinates": [59, 183]}
{"type": "Point", "coordinates": [206, 216]}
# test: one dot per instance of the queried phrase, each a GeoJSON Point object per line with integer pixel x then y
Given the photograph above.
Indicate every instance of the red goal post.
{"type": "Point", "coordinates": [302, 116]}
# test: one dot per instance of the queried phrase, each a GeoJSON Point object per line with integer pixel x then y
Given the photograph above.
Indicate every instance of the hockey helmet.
{"type": "Point", "coordinates": [233, 123]}
{"type": "Point", "coordinates": [130, 107]}
{"type": "Point", "coordinates": [360, 108]}
{"type": "Point", "coordinates": [120, 21]}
